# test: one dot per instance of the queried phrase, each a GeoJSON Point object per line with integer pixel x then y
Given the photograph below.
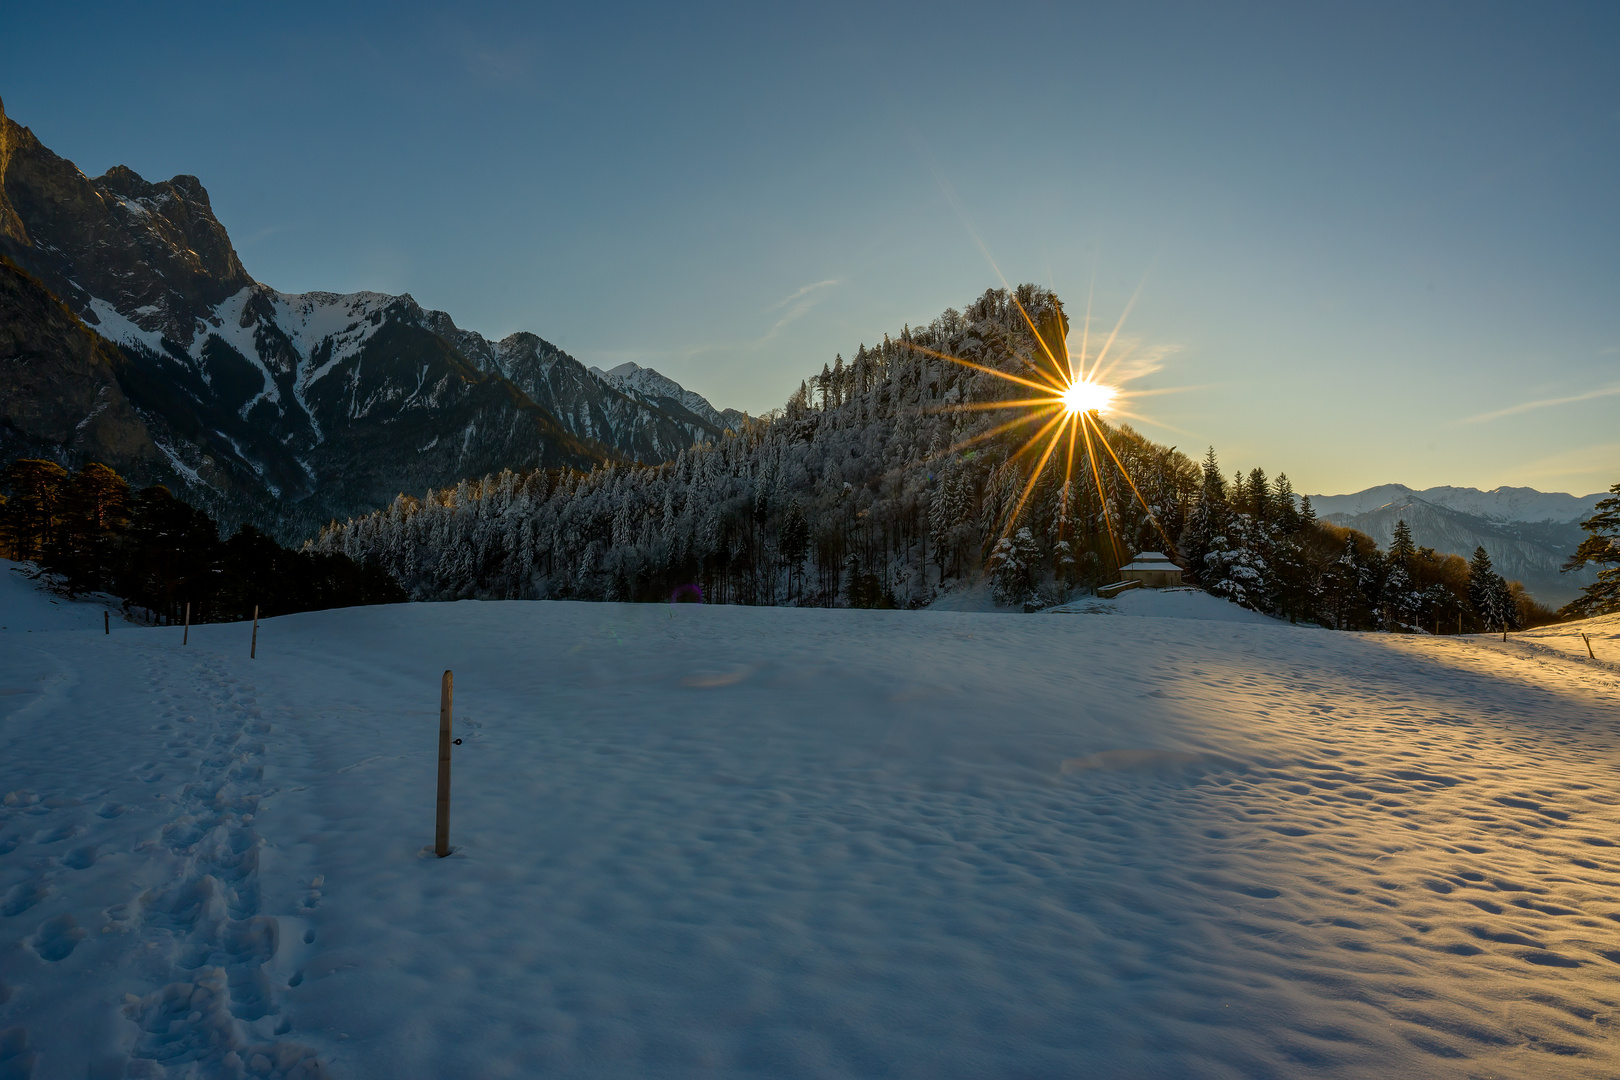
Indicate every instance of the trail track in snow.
{"type": "Point", "coordinates": [204, 968]}
{"type": "Point", "coordinates": [219, 1015]}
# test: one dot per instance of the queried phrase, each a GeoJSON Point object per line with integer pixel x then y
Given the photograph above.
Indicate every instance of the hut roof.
{"type": "Point", "coordinates": [1152, 560]}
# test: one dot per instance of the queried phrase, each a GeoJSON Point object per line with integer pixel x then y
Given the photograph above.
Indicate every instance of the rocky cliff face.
{"type": "Point", "coordinates": [59, 384]}
{"type": "Point", "coordinates": [282, 409]}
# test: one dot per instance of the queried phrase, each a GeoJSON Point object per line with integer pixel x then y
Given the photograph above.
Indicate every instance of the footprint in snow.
{"type": "Point", "coordinates": [24, 896]}
{"type": "Point", "coordinates": [82, 858]}
{"type": "Point", "coordinates": [57, 937]}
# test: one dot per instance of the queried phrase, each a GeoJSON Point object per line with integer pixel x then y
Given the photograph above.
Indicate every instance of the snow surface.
{"type": "Point", "coordinates": [758, 842]}
{"type": "Point", "coordinates": [1601, 633]}
{"type": "Point", "coordinates": [1182, 603]}
{"type": "Point", "coordinates": [27, 606]}
{"type": "Point", "coordinates": [1179, 603]}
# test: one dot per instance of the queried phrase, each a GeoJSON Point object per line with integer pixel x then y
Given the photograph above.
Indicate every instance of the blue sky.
{"type": "Point", "coordinates": [1373, 243]}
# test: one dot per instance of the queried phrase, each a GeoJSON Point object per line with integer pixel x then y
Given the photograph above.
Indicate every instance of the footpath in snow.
{"type": "Point", "coordinates": [729, 842]}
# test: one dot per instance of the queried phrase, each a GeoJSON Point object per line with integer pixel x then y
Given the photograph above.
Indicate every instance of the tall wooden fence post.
{"type": "Point", "coordinates": [106, 622]}
{"type": "Point", "coordinates": [441, 831]}
{"type": "Point", "coordinates": [253, 649]}
{"type": "Point", "coordinates": [1588, 641]}
{"type": "Point", "coordinates": [186, 637]}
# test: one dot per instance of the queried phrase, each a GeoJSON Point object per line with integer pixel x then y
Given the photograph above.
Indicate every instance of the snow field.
{"type": "Point", "coordinates": [25, 607]}
{"type": "Point", "coordinates": [1601, 644]}
{"type": "Point", "coordinates": [707, 841]}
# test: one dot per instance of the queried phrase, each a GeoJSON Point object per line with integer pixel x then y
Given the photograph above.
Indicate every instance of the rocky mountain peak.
{"type": "Point", "coordinates": [150, 248]}
{"type": "Point", "coordinates": [283, 409]}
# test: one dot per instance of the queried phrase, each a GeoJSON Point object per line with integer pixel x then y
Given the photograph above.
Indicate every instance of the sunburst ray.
{"type": "Point", "coordinates": [1074, 395]}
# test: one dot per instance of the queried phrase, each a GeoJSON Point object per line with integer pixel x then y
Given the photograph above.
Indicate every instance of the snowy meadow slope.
{"type": "Point", "coordinates": [723, 841]}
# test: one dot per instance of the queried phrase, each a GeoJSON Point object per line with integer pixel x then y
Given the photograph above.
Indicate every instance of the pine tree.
{"type": "Point", "coordinates": [1011, 563]}
{"type": "Point", "coordinates": [1340, 587]}
{"type": "Point", "coordinates": [1259, 496]}
{"type": "Point", "coordinates": [1283, 511]}
{"type": "Point", "coordinates": [1602, 548]}
{"type": "Point", "coordinates": [1488, 593]}
{"type": "Point", "coordinates": [1209, 517]}
{"type": "Point", "coordinates": [94, 509]}
{"type": "Point", "coordinates": [34, 506]}
{"type": "Point", "coordinates": [1401, 548]}
{"type": "Point", "coordinates": [1399, 596]}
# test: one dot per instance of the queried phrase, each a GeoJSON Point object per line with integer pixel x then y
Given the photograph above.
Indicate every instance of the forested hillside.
{"type": "Point", "coordinates": [888, 478]}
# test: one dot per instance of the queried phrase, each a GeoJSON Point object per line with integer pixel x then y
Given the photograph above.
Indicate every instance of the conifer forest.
{"type": "Point", "coordinates": [892, 476]}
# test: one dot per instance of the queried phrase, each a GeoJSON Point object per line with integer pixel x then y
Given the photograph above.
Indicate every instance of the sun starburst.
{"type": "Point", "coordinates": [1083, 396]}
{"type": "Point", "coordinates": [1072, 391]}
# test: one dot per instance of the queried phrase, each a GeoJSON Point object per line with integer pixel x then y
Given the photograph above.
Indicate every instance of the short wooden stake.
{"type": "Point", "coordinates": [253, 649]}
{"type": "Point", "coordinates": [1588, 645]}
{"type": "Point", "coordinates": [186, 637]}
{"type": "Point", "coordinates": [106, 622]}
{"type": "Point", "coordinates": [441, 830]}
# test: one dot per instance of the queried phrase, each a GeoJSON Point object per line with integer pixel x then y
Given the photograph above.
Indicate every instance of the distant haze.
{"type": "Point", "coordinates": [1528, 534]}
{"type": "Point", "coordinates": [1377, 242]}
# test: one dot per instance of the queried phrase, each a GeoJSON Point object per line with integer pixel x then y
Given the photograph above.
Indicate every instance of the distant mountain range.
{"type": "Point", "coordinates": [166, 360]}
{"type": "Point", "coordinates": [1527, 533]}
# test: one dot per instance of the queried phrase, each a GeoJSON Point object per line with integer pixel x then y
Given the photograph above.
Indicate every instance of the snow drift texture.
{"type": "Point", "coordinates": [733, 842]}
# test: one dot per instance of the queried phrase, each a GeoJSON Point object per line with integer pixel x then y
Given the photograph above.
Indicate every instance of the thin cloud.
{"type": "Point", "coordinates": [1514, 410]}
{"type": "Point", "coordinates": [1594, 464]}
{"type": "Point", "coordinates": [803, 292]}
{"type": "Point", "coordinates": [801, 301]}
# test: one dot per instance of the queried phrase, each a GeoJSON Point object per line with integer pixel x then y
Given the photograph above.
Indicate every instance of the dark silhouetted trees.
{"type": "Point", "coordinates": [159, 554]}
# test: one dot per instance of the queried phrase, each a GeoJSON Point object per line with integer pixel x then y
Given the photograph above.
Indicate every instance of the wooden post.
{"type": "Point", "coordinates": [253, 649]}
{"type": "Point", "coordinates": [106, 621]}
{"type": "Point", "coordinates": [1459, 622]}
{"type": "Point", "coordinates": [1588, 644]}
{"type": "Point", "coordinates": [441, 830]}
{"type": "Point", "coordinates": [186, 637]}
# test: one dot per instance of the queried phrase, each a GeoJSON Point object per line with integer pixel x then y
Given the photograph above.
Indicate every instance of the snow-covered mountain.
{"type": "Point", "coordinates": [1498, 504]}
{"type": "Point", "coordinates": [284, 409]}
{"type": "Point", "coordinates": [662, 392]}
{"type": "Point", "coordinates": [1527, 533]}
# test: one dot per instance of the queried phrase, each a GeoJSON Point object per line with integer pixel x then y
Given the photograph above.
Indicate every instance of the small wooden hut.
{"type": "Point", "coordinates": [1153, 570]}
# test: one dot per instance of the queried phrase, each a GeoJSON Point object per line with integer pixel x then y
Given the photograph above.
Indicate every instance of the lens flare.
{"type": "Point", "coordinates": [1085, 396]}
{"type": "Point", "coordinates": [1070, 397]}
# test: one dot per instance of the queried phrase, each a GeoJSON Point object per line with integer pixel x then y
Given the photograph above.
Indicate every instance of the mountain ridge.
{"type": "Point", "coordinates": [1504, 503]}
{"type": "Point", "coordinates": [284, 409]}
{"type": "Point", "coordinates": [1523, 530]}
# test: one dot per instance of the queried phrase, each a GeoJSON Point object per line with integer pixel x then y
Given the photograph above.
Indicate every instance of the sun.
{"type": "Point", "coordinates": [1085, 396]}
{"type": "Point", "coordinates": [1070, 398]}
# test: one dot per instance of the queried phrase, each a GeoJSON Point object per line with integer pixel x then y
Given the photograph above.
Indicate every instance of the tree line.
{"type": "Point", "coordinates": [885, 480]}
{"type": "Point", "coordinates": [1262, 546]}
{"type": "Point", "coordinates": [159, 554]}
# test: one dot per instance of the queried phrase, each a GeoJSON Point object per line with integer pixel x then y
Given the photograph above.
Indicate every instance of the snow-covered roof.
{"type": "Point", "coordinates": [1152, 560]}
